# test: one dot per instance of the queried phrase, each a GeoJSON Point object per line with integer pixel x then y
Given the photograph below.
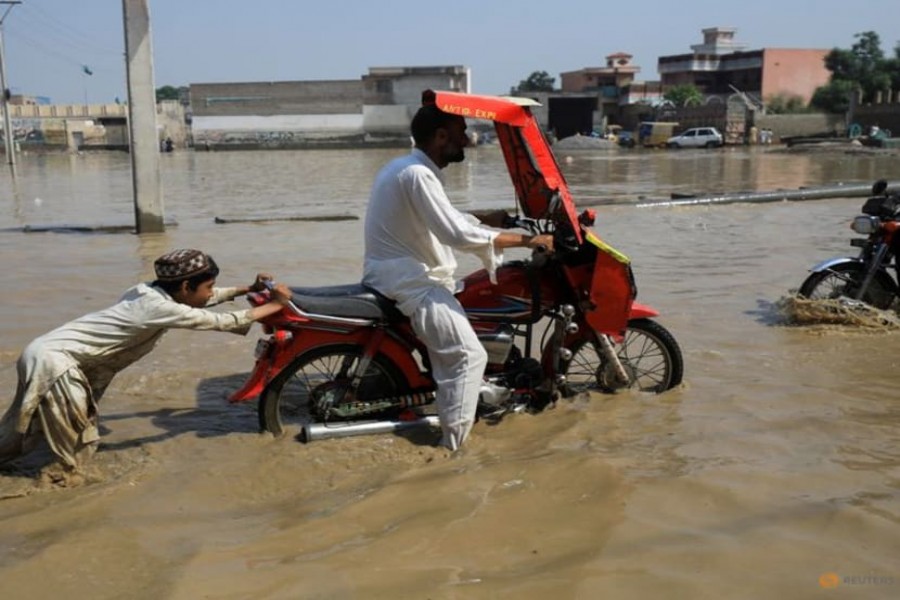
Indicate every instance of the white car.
{"type": "Point", "coordinates": [698, 137]}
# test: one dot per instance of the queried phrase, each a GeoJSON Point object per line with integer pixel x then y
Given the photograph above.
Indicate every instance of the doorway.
{"type": "Point", "coordinates": [568, 116]}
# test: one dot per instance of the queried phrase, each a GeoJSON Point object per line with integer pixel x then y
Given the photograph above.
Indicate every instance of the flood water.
{"type": "Point", "coordinates": [775, 464]}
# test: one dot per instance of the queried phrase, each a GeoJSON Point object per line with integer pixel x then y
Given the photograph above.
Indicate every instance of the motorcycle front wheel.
{"type": "Point", "coordinates": [844, 279]}
{"type": "Point", "coordinates": [301, 393]}
{"type": "Point", "coordinates": [648, 352]}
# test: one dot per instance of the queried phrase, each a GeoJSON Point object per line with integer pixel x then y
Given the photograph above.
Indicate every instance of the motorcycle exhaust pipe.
{"type": "Point", "coordinates": [323, 431]}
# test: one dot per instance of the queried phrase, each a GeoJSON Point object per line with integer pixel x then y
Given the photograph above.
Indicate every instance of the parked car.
{"type": "Point", "coordinates": [697, 137]}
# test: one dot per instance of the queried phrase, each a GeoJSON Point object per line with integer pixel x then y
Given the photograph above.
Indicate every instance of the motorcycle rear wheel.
{"type": "Point", "coordinates": [844, 280]}
{"type": "Point", "coordinates": [648, 352]}
{"type": "Point", "coordinates": [289, 399]}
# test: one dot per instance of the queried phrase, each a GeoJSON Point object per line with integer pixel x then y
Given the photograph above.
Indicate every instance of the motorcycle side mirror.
{"type": "Point", "coordinates": [879, 187]}
{"type": "Point", "coordinates": [587, 217]}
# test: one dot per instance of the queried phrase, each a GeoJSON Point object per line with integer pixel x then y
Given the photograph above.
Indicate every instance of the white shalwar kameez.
{"type": "Point", "coordinates": [410, 232]}
{"type": "Point", "coordinates": [63, 374]}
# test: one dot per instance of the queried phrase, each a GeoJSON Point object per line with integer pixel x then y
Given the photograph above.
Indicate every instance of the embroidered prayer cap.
{"type": "Point", "coordinates": [180, 264]}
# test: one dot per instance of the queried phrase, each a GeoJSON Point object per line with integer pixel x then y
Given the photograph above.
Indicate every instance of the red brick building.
{"type": "Point", "coordinates": [719, 65]}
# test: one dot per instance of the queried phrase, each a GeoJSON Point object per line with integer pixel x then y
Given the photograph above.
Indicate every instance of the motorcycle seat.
{"type": "Point", "coordinates": [350, 300]}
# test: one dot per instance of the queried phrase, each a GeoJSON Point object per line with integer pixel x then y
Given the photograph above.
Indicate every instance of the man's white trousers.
{"type": "Point", "coordinates": [457, 360]}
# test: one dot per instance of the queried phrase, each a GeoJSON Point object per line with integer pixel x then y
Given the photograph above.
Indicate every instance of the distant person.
{"type": "Point", "coordinates": [411, 231]}
{"type": "Point", "coordinates": [169, 144]}
{"type": "Point", "coordinates": [63, 374]}
{"type": "Point", "coordinates": [753, 138]}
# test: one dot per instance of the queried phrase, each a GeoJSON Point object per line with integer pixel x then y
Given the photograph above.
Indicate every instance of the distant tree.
{"type": "Point", "coordinates": [538, 81]}
{"type": "Point", "coordinates": [863, 67]}
{"type": "Point", "coordinates": [684, 95]}
{"type": "Point", "coordinates": [892, 66]}
{"type": "Point", "coordinates": [168, 92]}
{"type": "Point", "coordinates": [834, 96]}
{"type": "Point", "coordinates": [781, 104]}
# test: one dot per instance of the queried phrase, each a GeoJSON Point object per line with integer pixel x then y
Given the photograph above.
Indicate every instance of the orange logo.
{"type": "Point", "coordinates": [829, 580]}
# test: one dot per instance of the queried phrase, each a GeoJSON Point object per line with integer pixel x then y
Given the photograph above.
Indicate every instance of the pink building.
{"type": "Point", "coordinates": [720, 66]}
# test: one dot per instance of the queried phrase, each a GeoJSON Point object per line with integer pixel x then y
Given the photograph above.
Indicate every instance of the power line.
{"type": "Point", "coordinates": [63, 33]}
{"type": "Point", "coordinates": [54, 53]}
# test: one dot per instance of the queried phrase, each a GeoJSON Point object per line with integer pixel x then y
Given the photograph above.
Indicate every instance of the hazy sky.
{"type": "Point", "coordinates": [199, 41]}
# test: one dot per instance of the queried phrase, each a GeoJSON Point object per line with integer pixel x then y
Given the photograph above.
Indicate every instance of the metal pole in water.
{"type": "Point", "coordinates": [323, 431]}
{"type": "Point", "coordinates": [834, 191]}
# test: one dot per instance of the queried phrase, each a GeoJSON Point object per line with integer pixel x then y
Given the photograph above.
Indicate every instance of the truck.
{"type": "Point", "coordinates": [655, 134]}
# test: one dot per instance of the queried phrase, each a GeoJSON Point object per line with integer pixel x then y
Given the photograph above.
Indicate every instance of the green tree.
{"type": "Point", "coordinates": [863, 67]}
{"type": "Point", "coordinates": [538, 81]}
{"type": "Point", "coordinates": [168, 92]}
{"type": "Point", "coordinates": [684, 95]}
{"type": "Point", "coordinates": [834, 96]}
{"type": "Point", "coordinates": [892, 66]}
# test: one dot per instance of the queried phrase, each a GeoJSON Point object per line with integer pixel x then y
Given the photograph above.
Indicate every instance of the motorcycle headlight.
{"type": "Point", "coordinates": [865, 224]}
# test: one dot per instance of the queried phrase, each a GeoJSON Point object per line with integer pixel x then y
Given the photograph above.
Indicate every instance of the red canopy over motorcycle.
{"type": "Point", "coordinates": [532, 167]}
{"type": "Point", "coordinates": [539, 186]}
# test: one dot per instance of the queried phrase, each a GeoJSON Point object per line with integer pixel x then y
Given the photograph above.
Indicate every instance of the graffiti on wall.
{"type": "Point", "coordinates": [27, 130]}
{"type": "Point", "coordinates": [38, 131]}
{"type": "Point", "coordinates": [57, 132]}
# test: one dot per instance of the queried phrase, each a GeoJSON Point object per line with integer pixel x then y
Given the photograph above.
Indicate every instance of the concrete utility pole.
{"type": "Point", "coordinates": [148, 201]}
{"type": "Point", "coordinates": [4, 92]}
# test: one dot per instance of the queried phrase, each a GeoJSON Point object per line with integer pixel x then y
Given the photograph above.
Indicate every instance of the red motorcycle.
{"type": "Point", "coordinates": [341, 356]}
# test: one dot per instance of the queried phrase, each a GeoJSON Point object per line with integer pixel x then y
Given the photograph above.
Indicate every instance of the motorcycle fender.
{"type": "Point", "coordinates": [254, 385]}
{"type": "Point", "coordinates": [268, 363]}
{"type": "Point", "coordinates": [832, 262]}
{"type": "Point", "coordinates": [281, 353]}
{"type": "Point", "coordinates": [642, 311]}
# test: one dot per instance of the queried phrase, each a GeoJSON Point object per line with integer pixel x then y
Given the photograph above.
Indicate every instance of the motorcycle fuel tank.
{"type": "Point", "coordinates": [511, 298]}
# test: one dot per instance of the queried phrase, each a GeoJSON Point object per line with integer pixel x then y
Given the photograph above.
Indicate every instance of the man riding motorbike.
{"type": "Point", "coordinates": [411, 231]}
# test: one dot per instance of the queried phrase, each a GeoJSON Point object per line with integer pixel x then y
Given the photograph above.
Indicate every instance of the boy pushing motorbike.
{"type": "Point", "coordinates": [62, 374]}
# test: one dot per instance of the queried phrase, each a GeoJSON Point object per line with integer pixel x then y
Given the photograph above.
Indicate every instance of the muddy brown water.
{"type": "Point", "coordinates": [774, 466]}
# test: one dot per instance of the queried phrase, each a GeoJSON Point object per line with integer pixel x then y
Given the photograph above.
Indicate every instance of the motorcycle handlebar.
{"type": "Point", "coordinates": [517, 222]}
{"type": "Point", "coordinates": [269, 284]}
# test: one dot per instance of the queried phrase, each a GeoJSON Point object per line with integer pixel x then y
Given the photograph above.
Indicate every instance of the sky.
{"type": "Point", "coordinates": [49, 42]}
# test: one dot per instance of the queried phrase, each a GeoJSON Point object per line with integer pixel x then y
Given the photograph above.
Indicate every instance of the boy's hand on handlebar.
{"type": "Point", "coordinates": [281, 294]}
{"type": "Point", "coordinates": [262, 279]}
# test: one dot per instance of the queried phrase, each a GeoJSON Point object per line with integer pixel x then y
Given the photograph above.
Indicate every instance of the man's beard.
{"type": "Point", "coordinates": [454, 154]}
